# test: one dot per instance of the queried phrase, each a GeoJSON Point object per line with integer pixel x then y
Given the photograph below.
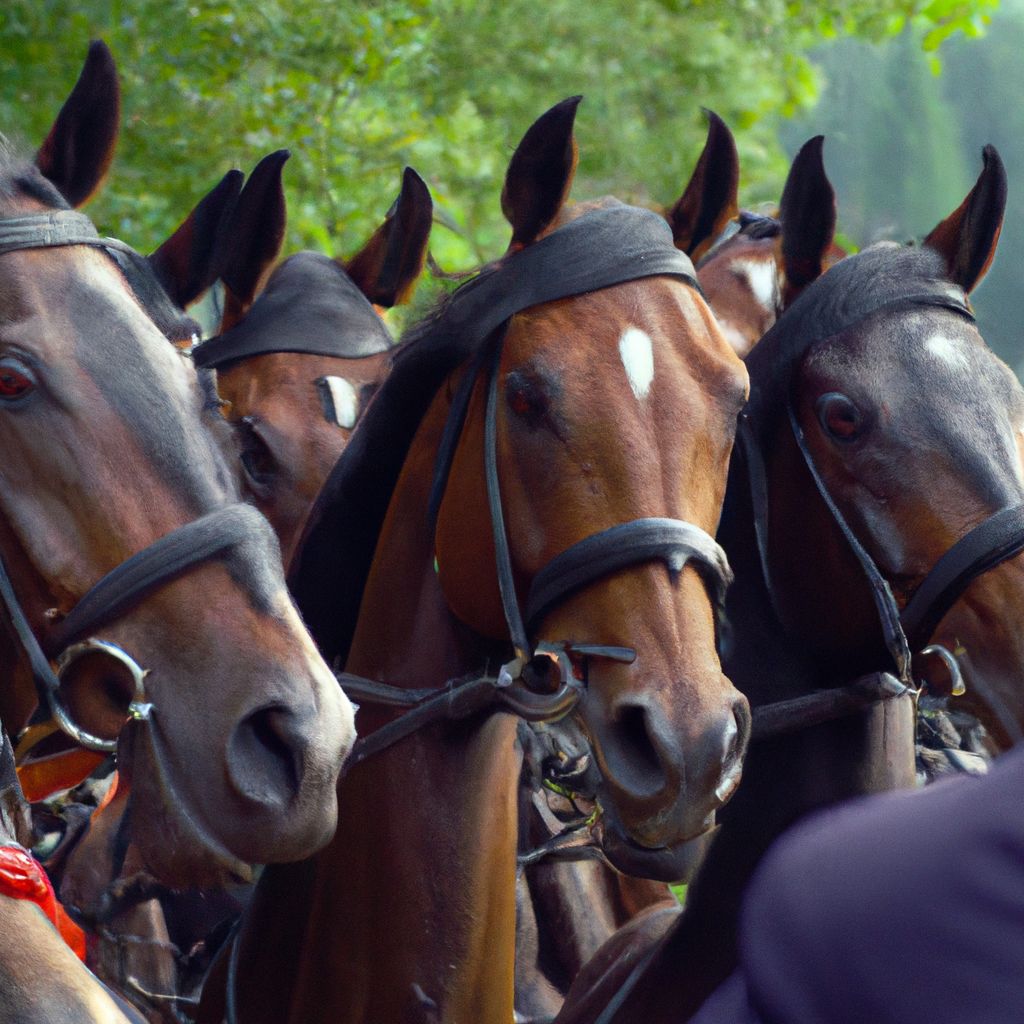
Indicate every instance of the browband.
{"type": "Point", "coordinates": [54, 229]}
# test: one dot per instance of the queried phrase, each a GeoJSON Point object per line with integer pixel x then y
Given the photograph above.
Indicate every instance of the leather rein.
{"type": "Point", "coordinates": [544, 681]}
{"type": "Point", "coordinates": [213, 536]}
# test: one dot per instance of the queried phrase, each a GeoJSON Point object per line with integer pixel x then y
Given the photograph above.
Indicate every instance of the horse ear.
{"type": "Point", "coordinates": [386, 268]}
{"type": "Point", "coordinates": [968, 237]}
{"type": "Point", "coordinates": [186, 264]}
{"type": "Point", "coordinates": [540, 174]}
{"type": "Point", "coordinates": [711, 198]}
{"type": "Point", "coordinates": [807, 213]}
{"type": "Point", "coordinates": [252, 239]}
{"type": "Point", "coordinates": [80, 147]}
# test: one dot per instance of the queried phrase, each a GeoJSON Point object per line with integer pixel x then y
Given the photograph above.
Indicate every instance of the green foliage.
{"type": "Point", "coordinates": [356, 90]}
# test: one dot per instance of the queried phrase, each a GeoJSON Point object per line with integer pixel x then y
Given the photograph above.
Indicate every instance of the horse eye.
{"type": "Point", "coordinates": [255, 455]}
{"type": "Point", "coordinates": [14, 380]}
{"type": "Point", "coordinates": [525, 395]}
{"type": "Point", "coordinates": [839, 417]}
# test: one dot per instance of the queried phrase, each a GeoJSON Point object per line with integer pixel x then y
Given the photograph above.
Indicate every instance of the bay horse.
{"type": "Point", "coordinates": [588, 366]}
{"type": "Point", "coordinates": [310, 349]}
{"type": "Point", "coordinates": [298, 364]}
{"type": "Point", "coordinates": [751, 266]}
{"type": "Point", "coordinates": [878, 484]}
{"type": "Point", "coordinates": [124, 542]}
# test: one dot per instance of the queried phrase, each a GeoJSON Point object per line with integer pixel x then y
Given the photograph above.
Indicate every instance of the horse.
{"type": "Point", "coordinates": [601, 383]}
{"type": "Point", "coordinates": [124, 543]}
{"type": "Point", "coordinates": [153, 948]}
{"type": "Point", "coordinates": [752, 266]}
{"type": "Point", "coordinates": [297, 371]}
{"type": "Point", "coordinates": [878, 483]}
{"type": "Point", "coordinates": [298, 365]}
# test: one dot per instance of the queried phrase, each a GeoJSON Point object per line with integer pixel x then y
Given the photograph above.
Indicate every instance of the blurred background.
{"type": "Point", "coordinates": [906, 92]}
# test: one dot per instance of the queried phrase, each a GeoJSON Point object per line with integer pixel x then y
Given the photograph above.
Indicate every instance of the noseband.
{"type": "Point", "coordinates": [212, 537]}
{"type": "Point", "coordinates": [601, 248]}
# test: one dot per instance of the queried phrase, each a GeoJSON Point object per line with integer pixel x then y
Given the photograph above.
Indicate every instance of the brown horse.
{"type": "Point", "coordinates": [752, 267]}
{"type": "Point", "coordinates": [627, 392]}
{"type": "Point", "coordinates": [298, 364]}
{"type": "Point", "coordinates": [887, 433]}
{"type": "Point", "coordinates": [271, 378]}
{"type": "Point", "coordinates": [109, 448]}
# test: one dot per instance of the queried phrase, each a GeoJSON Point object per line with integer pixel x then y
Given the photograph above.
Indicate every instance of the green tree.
{"type": "Point", "coordinates": [356, 90]}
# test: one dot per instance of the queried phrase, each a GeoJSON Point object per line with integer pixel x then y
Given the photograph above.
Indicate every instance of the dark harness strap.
{"type": "Point", "coordinates": [1000, 537]}
{"type": "Point", "coordinates": [643, 540]}
{"type": "Point", "coordinates": [212, 536]}
{"type": "Point", "coordinates": [54, 229]}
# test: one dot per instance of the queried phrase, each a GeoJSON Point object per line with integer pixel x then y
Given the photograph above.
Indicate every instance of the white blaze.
{"type": "Point", "coordinates": [346, 401]}
{"type": "Point", "coordinates": [948, 350]}
{"type": "Point", "coordinates": [637, 354]}
{"type": "Point", "coordinates": [763, 279]}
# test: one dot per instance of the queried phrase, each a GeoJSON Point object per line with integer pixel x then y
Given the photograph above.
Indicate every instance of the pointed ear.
{"type": "Point", "coordinates": [186, 264]}
{"type": "Point", "coordinates": [386, 268]}
{"type": "Point", "coordinates": [540, 175]}
{"type": "Point", "coordinates": [80, 147]}
{"type": "Point", "coordinates": [807, 213]}
{"type": "Point", "coordinates": [711, 198]}
{"type": "Point", "coordinates": [968, 237]}
{"type": "Point", "coordinates": [252, 239]}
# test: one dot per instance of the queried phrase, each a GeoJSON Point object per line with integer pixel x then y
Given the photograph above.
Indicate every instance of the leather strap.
{"type": "Point", "coordinates": [1000, 537]}
{"type": "Point", "coordinates": [881, 592]}
{"type": "Point", "coordinates": [202, 540]}
{"type": "Point", "coordinates": [643, 540]}
{"type": "Point", "coordinates": [54, 229]}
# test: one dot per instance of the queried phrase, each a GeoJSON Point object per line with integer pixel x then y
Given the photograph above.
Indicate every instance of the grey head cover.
{"type": "Point", "coordinates": [309, 305]}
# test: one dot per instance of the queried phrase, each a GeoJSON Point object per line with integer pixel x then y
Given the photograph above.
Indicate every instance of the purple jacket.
{"type": "Point", "coordinates": [906, 908]}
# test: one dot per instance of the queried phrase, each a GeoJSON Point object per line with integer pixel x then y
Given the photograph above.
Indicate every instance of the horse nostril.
{"type": "Point", "coordinates": [631, 754]}
{"type": "Point", "coordinates": [263, 757]}
{"type": "Point", "coordinates": [734, 748]}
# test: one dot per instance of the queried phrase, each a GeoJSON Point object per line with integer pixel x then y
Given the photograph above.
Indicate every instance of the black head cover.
{"type": "Point", "coordinates": [309, 305]}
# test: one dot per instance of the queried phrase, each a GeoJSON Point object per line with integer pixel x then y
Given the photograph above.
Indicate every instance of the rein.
{"type": "Point", "coordinates": [541, 682]}
{"type": "Point", "coordinates": [213, 536]}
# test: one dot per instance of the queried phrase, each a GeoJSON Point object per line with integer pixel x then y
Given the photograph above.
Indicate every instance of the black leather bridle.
{"type": "Point", "coordinates": [541, 681]}
{"type": "Point", "coordinates": [907, 632]}
{"type": "Point", "coordinates": [214, 536]}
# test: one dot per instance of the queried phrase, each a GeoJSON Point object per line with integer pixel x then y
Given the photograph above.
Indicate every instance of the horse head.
{"type": "Point", "coordinates": [109, 446]}
{"type": "Point", "coordinates": [297, 366]}
{"type": "Point", "coordinates": [613, 406]}
{"type": "Point", "coordinates": [751, 266]}
{"type": "Point", "coordinates": [915, 427]}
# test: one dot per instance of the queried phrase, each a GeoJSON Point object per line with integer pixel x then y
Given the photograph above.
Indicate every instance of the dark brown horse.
{"type": "Point", "coordinates": [627, 394]}
{"type": "Point", "coordinates": [110, 446]}
{"type": "Point", "coordinates": [881, 433]}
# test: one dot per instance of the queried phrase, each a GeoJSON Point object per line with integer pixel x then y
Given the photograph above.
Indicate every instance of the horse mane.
{"type": "Point", "coordinates": [883, 275]}
{"type": "Point", "coordinates": [350, 509]}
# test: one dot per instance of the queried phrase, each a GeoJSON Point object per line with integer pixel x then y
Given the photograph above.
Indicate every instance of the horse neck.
{"type": "Point", "coordinates": [415, 895]}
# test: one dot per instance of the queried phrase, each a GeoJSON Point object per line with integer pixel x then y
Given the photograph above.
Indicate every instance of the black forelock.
{"type": "Point", "coordinates": [21, 178]}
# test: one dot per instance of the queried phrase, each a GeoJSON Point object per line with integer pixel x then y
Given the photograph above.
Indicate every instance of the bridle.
{"type": "Point", "coordinates": [214, 536]}
{"type": "Point", "coordinates": [906, 633]}
{"type": "Point", "coordinates": [542, 681]}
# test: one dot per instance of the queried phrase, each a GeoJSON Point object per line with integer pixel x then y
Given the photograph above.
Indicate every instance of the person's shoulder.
{"type": "Point", "coordinates": [888, 907]}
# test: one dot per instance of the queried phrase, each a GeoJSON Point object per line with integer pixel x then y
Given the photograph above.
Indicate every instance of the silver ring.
{"type": "Point", "coordinates": [138, 708]}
